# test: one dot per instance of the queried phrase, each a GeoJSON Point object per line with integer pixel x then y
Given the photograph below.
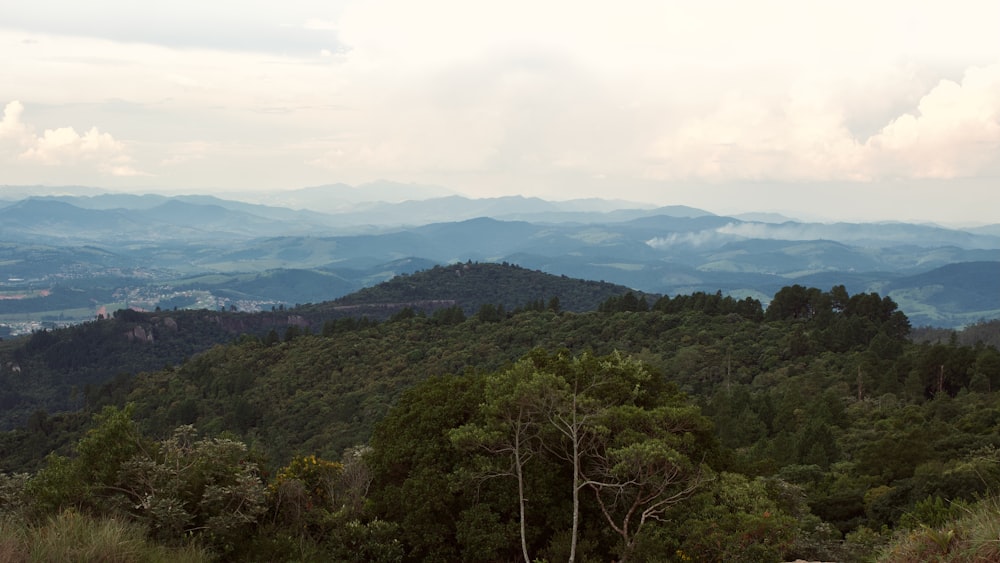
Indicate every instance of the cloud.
{"type": "Point", "coordinates": [955, 131]}
{"type": "Point", "coordinates": [64, 146]}
{"type": "Point", "coordinates": [300, 27]}
{"type": "Point", "coordinates": [791, 231]}
{"type": "Point", "coordinates": [12, 130]}
{"type": "Point", "coordinates": [732, 105]}
{"type": "Point", "coordinates": [694, 239]}
{"type": "Point", "coordinates": [662, 92]}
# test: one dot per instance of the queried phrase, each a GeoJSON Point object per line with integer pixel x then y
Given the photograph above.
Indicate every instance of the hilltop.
{"type": "Point", "coordinates": [57, 370]}
{"type": "Point", "coordinates": [65, 257]}
{"type": "Point", "coordinates": [471, 285]}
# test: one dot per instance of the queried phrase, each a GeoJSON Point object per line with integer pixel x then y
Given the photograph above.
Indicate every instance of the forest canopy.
{"type": "Point", "coordinates": [693, 427]}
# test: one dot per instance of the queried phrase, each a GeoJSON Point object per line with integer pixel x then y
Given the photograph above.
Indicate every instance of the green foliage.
{"type": "Point", "coordinates": [69, 368]}
{"type": "Point", "coordinates": [88, 479]}
{"type": "Point", "coordinates": [178, 487]}
{"type": "Point", "coordinates": [711, 304]}
{"type": "Point", "coordinates": [831, 399]}
{"type": "Point", "coordinates": [932, 512]}
{"type": "Point", "coordinates": [472, 285]}
{"type": "Point", "coordinates": [627, 303]}
{"type": "Point", "coordinates": [317, 476]}
{"type": "Point", "coordinates": [737, 519]}
{"type": "Point", "coordinates": [970, 535]}
{"type": "Point", "coordinates": [617, 446]}
{"type": "Point", "coordinates": [366, 542]}
{"type": "Point", "coordinates": [209, 486]}
{"type": "Point", "coordinates": [412, 458]}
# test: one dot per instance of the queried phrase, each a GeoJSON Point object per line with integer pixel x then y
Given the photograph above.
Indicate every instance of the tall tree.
{"type": "Point", "coordinates": [607, 421]}
{"type": "Point", "coordinates": [506, 428]}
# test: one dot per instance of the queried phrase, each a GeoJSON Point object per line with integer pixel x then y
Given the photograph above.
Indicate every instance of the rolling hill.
{"type": "Point", "coordinates": [249, 253]}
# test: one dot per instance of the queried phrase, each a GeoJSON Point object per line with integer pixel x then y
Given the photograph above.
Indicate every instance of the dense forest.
{"type": "Point", "coordinates": [687, 428]}
{"type": "Point", "coordinates": [56, 370]}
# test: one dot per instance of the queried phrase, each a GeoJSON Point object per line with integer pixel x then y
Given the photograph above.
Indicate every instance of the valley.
{"type": "Point", "coordinates": [65, 259]}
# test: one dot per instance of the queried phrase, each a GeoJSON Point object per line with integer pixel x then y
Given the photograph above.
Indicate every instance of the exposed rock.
{"type": "Point", "coordinates": [139, 334]}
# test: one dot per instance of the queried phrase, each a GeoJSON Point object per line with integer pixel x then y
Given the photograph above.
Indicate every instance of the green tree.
{"type": "Point", "coordinates": [506, 428]}
{"type": "Point", "coordinates": [412, 462]}
{"type": "Point", "coordinates": [90, 478]}
{"type": "Point", "coordinates": [604, 419]}
{"type": "Point", "coordinates": [643, 465]}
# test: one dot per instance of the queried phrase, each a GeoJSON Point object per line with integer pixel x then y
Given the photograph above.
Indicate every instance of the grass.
{"type": "Point", "coordinates": [972, 538]}
{"type": "Point", "coordinates": [74, 537]}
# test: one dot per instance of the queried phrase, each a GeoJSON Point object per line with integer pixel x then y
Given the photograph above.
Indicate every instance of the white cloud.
{"type": "Point", "coordinates": [695, 239]}
{"type": "Point", "coordinates": [12, 131]}
{"type": "Point", "coordinates": [317, 24]}
{"type": "Point", "coordinates": [955, 131]}
{"type": "Point", "coordinates": [63, 146]}
{"type": "Point", "coordinates": [709, 104]}
{"type": "Point", "coordinates": [66, 146]}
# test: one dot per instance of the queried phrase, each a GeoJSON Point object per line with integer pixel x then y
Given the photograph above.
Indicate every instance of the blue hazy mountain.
{"type": "Point", "coordinates": [264, 252]}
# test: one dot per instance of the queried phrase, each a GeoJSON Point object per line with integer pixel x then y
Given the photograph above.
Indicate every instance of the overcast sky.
{"type": "Point", "coordinates": [840, 110]}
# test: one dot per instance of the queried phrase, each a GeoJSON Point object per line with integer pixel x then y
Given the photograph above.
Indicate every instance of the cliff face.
{"type": "Point", "coordinates": [139, 334]}
{"type": "Point", "coordinates": [143, 332]}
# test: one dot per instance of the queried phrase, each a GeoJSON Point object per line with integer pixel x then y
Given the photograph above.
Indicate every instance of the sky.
{"type": "Point", "coordinates": [846, 110]}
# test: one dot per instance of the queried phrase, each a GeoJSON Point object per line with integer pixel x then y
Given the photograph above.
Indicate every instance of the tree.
{"type": "Point", "coordinates": [643, 465]}
{"type": "Point", "coordinates": [194, 486]}
{"type": "Point", "coordinates": [554, 304]}
{"type": "Point", "coordinates": [607, 421]}
{"type": "Point", "coordinates": [506, 428]}
{"type": "Point", "coordinates": [90, 478]}
{"type": "Point", "coordinates": [413, 459]}
{"type": "Point", "coordinates": [178, 487]}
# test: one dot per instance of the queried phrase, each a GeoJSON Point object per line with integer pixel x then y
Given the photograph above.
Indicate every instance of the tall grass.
{"type": "Point", "coordinates": [972, 538]}
{"type": "Point", "coordinates": [73, 537]}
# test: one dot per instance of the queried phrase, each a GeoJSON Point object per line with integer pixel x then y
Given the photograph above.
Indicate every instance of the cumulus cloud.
{"type": "Point", "coordinates": [676, 94]}
{"type": "Point", "coordinates": [955, 131]}
{"type": "Point", "coordinates": [12, 130]}
{"type": "Point", "coordinates": [63, 146]}
{"type": "Point", "coordinates": [655, 101]}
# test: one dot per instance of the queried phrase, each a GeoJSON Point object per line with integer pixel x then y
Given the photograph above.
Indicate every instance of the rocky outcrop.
{"type": "Point", "coordinates": [144, 333]}
{"type": "Point", "coordinates": [139, 334]}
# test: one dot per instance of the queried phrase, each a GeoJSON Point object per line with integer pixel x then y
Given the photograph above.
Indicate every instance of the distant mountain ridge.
{"type": "Point", "coordinates": [166, 241]}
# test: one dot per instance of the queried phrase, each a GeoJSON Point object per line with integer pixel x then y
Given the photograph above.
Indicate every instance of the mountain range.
{"type": "Point", "coordinates": [191, 250]}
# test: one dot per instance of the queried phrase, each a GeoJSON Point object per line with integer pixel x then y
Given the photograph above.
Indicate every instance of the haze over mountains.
{"type": "Point", "coordinates": [95, 249]}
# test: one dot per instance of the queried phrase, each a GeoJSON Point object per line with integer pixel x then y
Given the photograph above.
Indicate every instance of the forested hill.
{"type": "Point", "coordinates": [471, 285]}
{"type": "Point", "coordinates": [811, 430]}
{"type": "Point", "coordinates": [57, 370]}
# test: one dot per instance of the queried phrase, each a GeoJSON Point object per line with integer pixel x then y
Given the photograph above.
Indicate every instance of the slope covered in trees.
{"type": "Point", "coordinates": [472, 285]}
{"type": "Point", "coordinates": [813, 429]}
{"type": "Point", "coordinates": [60, 370]}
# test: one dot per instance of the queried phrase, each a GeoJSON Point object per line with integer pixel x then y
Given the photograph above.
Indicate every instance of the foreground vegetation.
{"type": "Point", "coordinates": [689, 428]}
